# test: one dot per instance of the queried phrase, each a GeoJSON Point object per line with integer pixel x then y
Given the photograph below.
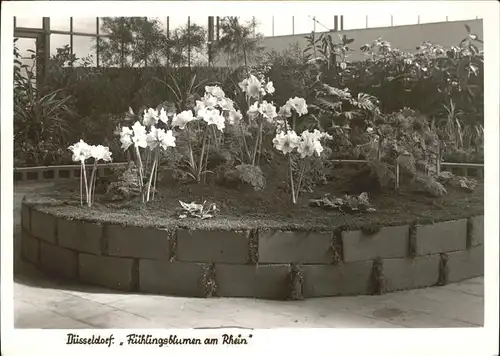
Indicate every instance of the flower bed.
{"type": "Point", "coordinates": [305, 252]}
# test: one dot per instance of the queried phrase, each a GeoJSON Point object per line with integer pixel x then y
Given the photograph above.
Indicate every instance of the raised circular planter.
{"type": "Point", "coordinates": [251, 262]}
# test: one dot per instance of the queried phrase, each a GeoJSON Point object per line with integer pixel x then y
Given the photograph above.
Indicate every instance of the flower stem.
{"type": "Point", "coordinates": [294, 201]}
{"type": "Point", "coordinates": [200, 166]}
{"type": "Point", "coordinates": [91, 185]}
{"type": "Point", "coordinates": [257, 141]}
{"type": "Point", "coordinates": [151, 176]}
{"type": "Point", "coordinates": [245, 141]}
{"type": "Point", "coordinates": [86, 184]}
{"type": "Point", "coordinates": [301, 176]}
{"type": "Point", "coordinates": [81, 185]}
{"type": "Point", "coordinates": [190, 149]}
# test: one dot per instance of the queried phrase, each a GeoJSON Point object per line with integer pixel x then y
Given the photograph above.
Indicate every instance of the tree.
{"type": "Point", "coordinates": [139, 41]}
{"type": "Point", "coordinates": [239, 41]}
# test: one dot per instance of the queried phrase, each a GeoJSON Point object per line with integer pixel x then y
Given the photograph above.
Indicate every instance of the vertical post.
{"type": "Point", "coordinates": [446, 18]}
{"type": "Point", "coordinates": [71, 39]}
{"type": "Point", "coordinates": [366, 20]}
{"type": "Point", "coordinates": [314, 24]}
{"type": "Point", "coordinates": [168, 41]}
{"type": "Point", "coordinates": [392, 20]}
{"type": "Point", "coordinates": [98, 40]}
{"type": "Point", "coordinates": [15, 22]}
{"type": "Point", "coordinates": [273, 25]}
{"type": "Point", "coordinates": [45, 57]}
{"type": "Point", "coordinates": [218, 28]}
{"type": "Point", "coordinates": [293, 25]}
{"type": "Point", "coordinates": [253, 25]}
{"type": "Point", "coordinates": [341, 22]}
{"type": "Point", "coordinates": [210, 38]}
{"type": "Point", "coordinates": [418, 19]}
{"type": "Point", "coordinates": [189, 41]}
{"type": "Point", "coordinates": [335, 23]}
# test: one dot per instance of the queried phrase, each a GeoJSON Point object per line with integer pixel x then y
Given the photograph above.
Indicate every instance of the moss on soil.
{"type": "Point", "coordinates": [267, 209]}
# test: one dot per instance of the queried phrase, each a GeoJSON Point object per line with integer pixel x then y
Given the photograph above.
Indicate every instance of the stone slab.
{"type": "Point", "coordinates": [43, 226]}
{"type": "Point", "coordinates": [477, 237]}
{"type": "Point", "coordinates": [59, 261]}
{"type": "Point", "coordinates": [345, 279]}
{"type": "Point", "coordinates": [465, 264]}
{"type": "Point", "coordinates": [30, 248]}
{"type": "Point", "coordinates": [217, 246]}
{"type": "Point", "coordinates": [295, 247]}
{"type": "Point", "coordinates": [411, 273]}
{"type": "Point", "coordinates": [175, 278]}
{"type": "Point", "coordinates": [79, 235]}
{"type": "Point", "coordinates": [441, 237]}
{"type": "Point", "coordinates": [25, 217]}
{"type": "Point", "coordinates": [132, 241]}
{"type": "Point", "coordinates": [388, 242]}
{"type": "Point", "coordinates": [111, 272]}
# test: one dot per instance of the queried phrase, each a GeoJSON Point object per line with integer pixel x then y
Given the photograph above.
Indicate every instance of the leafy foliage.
{"type": "Point", "coordinates": [346, 204]}
{"type": "Point", "coordinates": [201, 211]}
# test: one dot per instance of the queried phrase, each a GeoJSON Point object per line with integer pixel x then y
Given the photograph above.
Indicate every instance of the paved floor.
{"type": "Point", "coordinates": [40, 302]}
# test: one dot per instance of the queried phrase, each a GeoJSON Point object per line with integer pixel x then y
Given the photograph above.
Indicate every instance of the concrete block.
{"type": "Point", "coordinates": [411, 273]}
{"type": "Point", "coordinates": [441, 237]}
{"type": "Point", "coordinates": [25, 217]}
{"type": "Point", "coordinates": [59, 261]}
{"type": "Point", "coordinates": [111, 272]}
{"type": "Point", "coordinates": [30, 248]}
{"type": "Point", "coordinates": [217, 246]}
{"type": "Point", "coordinates": [79, 235]}
{"type": "Point", "coordinates": [295, 247]}
{"type": "Point", "coordinates": [175, 278]}
{"type": "Point", "coordinates": [133, 241]}
{"type": "Point", "coordinates": [388, 242]}
{"type": "Point", "coordinates": [345, 279]}
{"type": "Point", "coordinates": [477, 232]}
{"type": "Point", "coordinates": [43, 226]}
{"type": "Point", "coordinates": [466, 264]}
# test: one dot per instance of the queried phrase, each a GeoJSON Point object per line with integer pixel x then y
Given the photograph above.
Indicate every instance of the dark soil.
{"type": "Point", "coordinates": [269, 209]}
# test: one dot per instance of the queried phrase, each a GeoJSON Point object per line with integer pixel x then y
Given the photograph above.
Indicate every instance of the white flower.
{"type": "Point", "coordinates": [150, 117]}
{"type": "Point", "coordinates": [369, 130]}
{"type": "Point", "coordinates": [199, 106]}
{"type": "Point", "coordinates": [321, 135]}
{"type": "Point", "coordinates": [268, 110]}
{"type": "Point", "coordinates": [210, 101]}
{"type": "Point", "coordinates": [299, 105]}
{"type": "Point", "coordinates": [163, 116]}
{"type": "Point", "coordinates": [126, 137]}
{"type": "Point", "coordinates": [100, 152]}
{"type": "Point", "coordinates": [286, 143]}
{"type": "Point", "coordinates": [286, 110]}
{"type": "Point", "coordinates": [226, 104]}
{"type": "Point", "coordinates": [139, 137]}
{"type": "Point", "coordinates": [253, 110]}
{"type": "Point", "coordinates": [167, 139]}
{"type": "Point", "coordinates": [270, 88]}
{"type": "Point", "coordinates": [81, 151]}
{"type": "Point", "coordinates": [160, 137]}
{"type": "Point", "coordinates": [182, 119]}
{"type": "Point", "coordinates": [215, 91]}
{"type": "Point", "coordinates": [213, 117]}
{"type": "Point", "coordinates": [252, 86]}
{"type": "Point", "coordinates": [309, 144]}
{"type": "Point", "coordinates": [234, 117]}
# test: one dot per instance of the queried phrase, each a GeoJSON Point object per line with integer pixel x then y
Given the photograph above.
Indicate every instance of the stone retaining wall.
{"type": "Point", "coordinates": [253, 263]}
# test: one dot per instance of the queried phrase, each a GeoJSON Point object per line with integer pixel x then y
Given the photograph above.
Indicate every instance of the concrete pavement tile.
{"type": "Point", "coordinates": [118, 319]}
{"type": "Point", "coordinates": [28, 316]}
{"type": "Point", "coordinates": [41, 297]}
{"type": "Point", "coordinates": [474, 286]}
{"type": "Point", "coordinates": [78, 308]}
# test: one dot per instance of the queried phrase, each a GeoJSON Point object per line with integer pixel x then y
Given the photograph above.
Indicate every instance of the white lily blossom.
{"type": "Point", "coordinates": [253, 110]}
{"type": "Point", "coordinates": [216, 91]}
{"type": "Point", "coordinates": [150, 117]}
{"type": "Point", "coordinates": [251, 86]}
{"type": "Point", "coordinates": [286, 143]}
{"type": "Point", "coordinates": [268, 110]}
{"type": "Point", "coordinates": [309, 144]}
{"type": "Point", "coordinates": [126, 137]}
{"type": "Point", "coordinates": [158, 137]}
{"type": "Point", "coordinates": [299, 105]}
{"type": "Point", "coordinates": [234, 117]}
{"type": "Point", "coordinates": [180, 120]}
{"type": "Point", "coordinates": [163, 116]}
{"type": "Point", "coordinates": [101, 152]}
{"type": "Point", "coordinates": [213, 117]}
{"type": "Point", "coordinates": [270, 88]}
{"type": "Point", "coordinates": [81, 151]}
{"type": "Point", "coordinates": [139, 137]}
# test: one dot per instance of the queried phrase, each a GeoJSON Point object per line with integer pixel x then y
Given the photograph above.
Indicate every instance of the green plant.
{"type": "Point", "coordinates": [201, 211]}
